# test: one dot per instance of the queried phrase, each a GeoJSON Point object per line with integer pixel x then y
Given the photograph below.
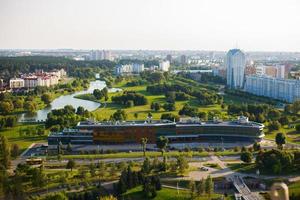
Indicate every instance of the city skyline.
{"type": "Point", "coordinates": [155, 25]}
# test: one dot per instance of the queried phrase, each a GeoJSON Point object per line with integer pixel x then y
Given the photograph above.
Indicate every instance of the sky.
{"type": "Point", "coordinates": [252, 25]}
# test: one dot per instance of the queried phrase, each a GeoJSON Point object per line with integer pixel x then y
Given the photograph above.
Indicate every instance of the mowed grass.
{"type": "Point", "coordinates": [23, 141]}
{"type": "Point", "coordinates": [166, 194]}
{"type": "Point", "coordinates": [294, 188]}
{"type": "Point", "coordinates": [291, 134]}
{"type": "Point", "coordinates": [108, 108]}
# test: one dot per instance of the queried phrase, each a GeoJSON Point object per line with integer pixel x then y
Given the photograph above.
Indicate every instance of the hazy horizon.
{"type": "Point", "coordinates": [208, 25]}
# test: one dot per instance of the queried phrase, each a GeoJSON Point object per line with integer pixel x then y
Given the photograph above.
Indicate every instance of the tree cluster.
{"type": "Point", "coordinates": [99, 94]}
{"type": "Point", "coordinates": [275, 161]}
{"type": "Point", "coordinates": [119, 115]}
{"type": "Point", "coordinates": [130, 96]}
{"type": "Point", "coordinates": [65, 117]}
{"type": "Point", "coordinates": [183, 91]}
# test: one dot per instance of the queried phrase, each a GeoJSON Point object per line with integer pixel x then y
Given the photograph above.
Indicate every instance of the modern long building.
{"type": "Point", "coordinates": [88, 132]}
{"type": "Point", "coordinates": [276, 88]}
{"type": "Point", "coordinates": [235, 63]}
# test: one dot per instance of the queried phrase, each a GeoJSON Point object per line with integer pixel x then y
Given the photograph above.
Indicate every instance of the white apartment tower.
{"type": "Point", "coordinates": [235, 63]}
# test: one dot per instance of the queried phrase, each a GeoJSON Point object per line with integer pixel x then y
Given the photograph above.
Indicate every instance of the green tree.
{"type": "Point", "coordinates": [256, 146]}
{"type": "Point", "coordinates": [6, 107]}
{"type": "Point", "coordinates": [4, 152]}
{"type": "Point", "coordinates": [119, 115]}
{"type": "Point", "coordinates": [15, 150]}
{"type": "Point", "coordinates": [182, 164]}
{"type": "Point", "coordinates": [71, 164]}
{"type": "Point", "coordinates": [38, 178]}
{"type": "Point", "coordinates": [192, 187]}
{"type": "Point", "coordinates": [201, 187]}
{"type": "Point", "coordinates": [246, 157]}
{"type": "Point", "coordinates": [69, 147]}
{"type": "Point", "coordinates": [209, 186]}
{"type": "Point", "coordinates": [146, 167]}
{"type": "Point", "coordinates": [144, 142]}
{"type": "Point", "coordinates": [284, 120]}
{"type": "Point", "coordinates": [274, 125]}
{"type": "Point", "coordinates": [46, 98]}
{"type": "Point", "coordinates": [280, 140]}
{"type": "Point", "coordinates": [162, 143]}
{"type": "Point", "coordinates": [30, 106]}
{"type": "Point", "coordinates": [298, 128]}
{"type": "Point", "coordinates": [155, 106]}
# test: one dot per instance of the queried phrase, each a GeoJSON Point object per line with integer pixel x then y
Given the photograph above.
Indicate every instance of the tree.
{"type": "Point", "coordinates": [274, 125]}
{"type": "Point", "coordinates": [97, 94]}
{"type": "Point", "coordinates": [182, 164]}
{"type": "Point", "coordinates": [30, 106]}
{"type": "Point", "coordinates": [38, 177]}
{"type": "Point", "coordinates": [146, 167]}
{"type": "Point", "coordinates": [280, 140]}
{"type": "Point", "coordinates": [69, 147]}
{"type": "Point", "coordinates": [144, 145]}
{"type": "Point", "coordinates": [46, 98]}
{"type": "Point", "coordinates": [80, 110]}
{"type": "Point", "coordinates": [284, 120]}
{"type": "Point", "coordinates": [192, 187]}
{"type": "Point", "coordinates": [71, 164]}
{"type": "Point", "coordinates": [274, 114]}
{"type": "Point", "coordinates": [119, 115]}
{"type": "Point", "coordinates": [6, 107]}
{"type": "Point", "coordinates": [155, 106]}
{"type": "Point", "coordinates": [256, 146]}
{"type": "Point", "coordinates": [246, 157]}
{"type": "Point", "coordinates": [298, 128]}
{"type": "Point", "coordinates": [201, 187]}
{"type": "Point", "coordinates": [4, 152]}
{"type": "Point", "coordinates": [15, 150]}
{"type": "Point", "coordinates": [170, 116]}
{"type": "Point", "coordinates": [169, 106]}
{"type": "Point", "coordinates": [209, 186]}
{"type": "Point", "coordinates": [274, 161]}
{"type": "Point", "coordinates": [162, 143]}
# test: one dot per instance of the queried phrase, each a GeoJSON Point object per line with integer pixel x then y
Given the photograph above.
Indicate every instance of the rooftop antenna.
{"type": "Point", "coordinates": [236, 45]}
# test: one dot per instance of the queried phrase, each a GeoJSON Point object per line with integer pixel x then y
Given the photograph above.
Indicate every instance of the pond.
{"type": "Point", "coordinates": [69, 99]}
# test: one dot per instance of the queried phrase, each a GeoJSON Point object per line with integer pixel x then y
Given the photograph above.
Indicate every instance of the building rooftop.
{"type": "Point", "coordinates": [126, 123]}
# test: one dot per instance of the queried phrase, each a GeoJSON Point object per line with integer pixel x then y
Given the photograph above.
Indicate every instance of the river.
{"type": "Point", "coordinates": [69, 99]}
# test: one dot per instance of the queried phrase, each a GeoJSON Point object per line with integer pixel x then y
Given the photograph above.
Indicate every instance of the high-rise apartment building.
{"type": "Point", "coordinates": [164, 65]}
{"type": "Point", "coordinates": [276, 88]}
{"type": "Point", "coordinates": [235, 63]}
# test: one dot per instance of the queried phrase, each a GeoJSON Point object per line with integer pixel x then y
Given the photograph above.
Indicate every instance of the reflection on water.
{"type": "Point", "coordinates": [64, 100]}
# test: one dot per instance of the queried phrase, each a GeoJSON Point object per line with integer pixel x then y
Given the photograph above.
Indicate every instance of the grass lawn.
{"type": "Point", "coordinates": [212, 165]}
{"type": "Point", "coordinates": [109, 108]}
{"type": "Point", "coordinates": [243, 167]}
{"type": "Point", "coordinates": [130, 155]}
{"type": "Point", "coordinates": [164, 194]}
{"type": "Point", "coordinates": [13, 136]}
{"type": "Point", "coordinates": [291, 135]}
{"type": "Point", "coordinates": [294, 188]}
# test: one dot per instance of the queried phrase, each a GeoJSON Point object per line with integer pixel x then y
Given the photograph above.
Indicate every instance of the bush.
{"type": "Point", "coordinates": [246, 157]}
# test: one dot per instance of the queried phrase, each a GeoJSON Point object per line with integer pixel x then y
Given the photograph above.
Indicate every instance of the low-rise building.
{"type": "Point", "coordinates": [16, 83]}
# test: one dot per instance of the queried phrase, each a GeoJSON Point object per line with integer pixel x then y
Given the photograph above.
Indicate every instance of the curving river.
{"type": "Point", "coordinates": [64, 100]}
